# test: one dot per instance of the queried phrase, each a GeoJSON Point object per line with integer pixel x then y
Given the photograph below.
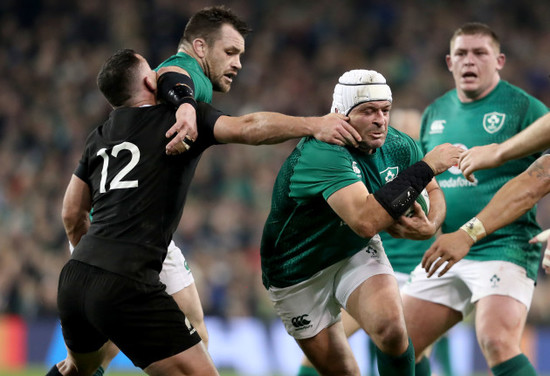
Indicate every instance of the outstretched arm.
{"type": "Point", "coordinates": [271, 128]}
{"type": "Point", "coordinates": [77, 204]}
{"type": "Point", "coordinates": [511, 201]}
{"type": "Point", "coordinates": [532, 139]}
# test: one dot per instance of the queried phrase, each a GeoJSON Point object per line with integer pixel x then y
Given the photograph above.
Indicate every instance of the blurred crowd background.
{"type": "Point", "coordinates": [51, 51]}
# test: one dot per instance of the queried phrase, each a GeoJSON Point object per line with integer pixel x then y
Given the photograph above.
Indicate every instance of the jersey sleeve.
{"type": "Point", "coordinates": [82, 171]}
{"type": "Point", "coordinates": [416, 152]}
{"type": "Point", "coordinates": [535, 110]}
{"type": "Point", "coordinates": [322, 170]}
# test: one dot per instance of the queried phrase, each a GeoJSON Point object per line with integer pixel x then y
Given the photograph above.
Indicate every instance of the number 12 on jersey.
{"type": "Point", "coordinates": [117, 182]}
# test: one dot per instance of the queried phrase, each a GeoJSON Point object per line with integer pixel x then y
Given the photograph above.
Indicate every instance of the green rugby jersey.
{"type": "Point", "coordinates": [404, 254]}
{"type": "Point", "coordinates": [203, 85]}
{"type": "Point", "coordinates": [302, 234]}
{"type": "Point", "coordinates": [507, 110]}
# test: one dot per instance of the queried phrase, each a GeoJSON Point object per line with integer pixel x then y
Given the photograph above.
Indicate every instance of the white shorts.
{"type": "Point", "coordinates": [175, 273]}
{"type": "Point", "coordinates": [313, 305]}
{"type": "Point", "coordinates": [468, 281]}
{"type": "Point", "coordinates": [402, 279]}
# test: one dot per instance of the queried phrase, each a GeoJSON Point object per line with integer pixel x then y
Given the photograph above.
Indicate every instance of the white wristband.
{"type": "Point", "coordinates": [474, 227]}
{"type": "Point", "coordinates": [71, 248]}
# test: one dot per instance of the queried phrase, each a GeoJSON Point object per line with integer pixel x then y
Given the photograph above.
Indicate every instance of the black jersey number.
{"type": "Point", "coordinates": [117, 182]}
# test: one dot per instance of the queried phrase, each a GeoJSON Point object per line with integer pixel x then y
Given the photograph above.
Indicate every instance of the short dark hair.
{"type": "Point", "coordinates": [476, 28]}
{"type": "Point", "coordinates": [115, 79]}
{"type": "Point", "coordinates": [207, 23]}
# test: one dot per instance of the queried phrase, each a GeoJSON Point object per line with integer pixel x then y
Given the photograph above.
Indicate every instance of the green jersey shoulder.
{"type": "Point", "coordinates": [203, 85]}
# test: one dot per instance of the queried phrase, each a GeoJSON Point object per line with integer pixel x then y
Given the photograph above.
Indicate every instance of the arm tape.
{"type": "Point", "coordinates": [177, 88]}
{"type": "Point", "coordinates": [474, 227]}
{"type": "Point", "coordinates": [400, 193]}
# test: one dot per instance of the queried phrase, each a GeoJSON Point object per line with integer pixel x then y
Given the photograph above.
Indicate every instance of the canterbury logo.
{"type": "Point", "coordinates": [372, 252]}
{"type": "Point", "coordinates": [300, 321]}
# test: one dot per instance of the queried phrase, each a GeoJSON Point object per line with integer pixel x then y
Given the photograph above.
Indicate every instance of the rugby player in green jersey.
{"type": "Point", "coordinates": [209, 52]}
{"type": "Point", "coordinates": [498, 274]}
{"type": "Point", "coordinates": [320, 248]}
{"type": "Point", "coordinates": [404, 255]}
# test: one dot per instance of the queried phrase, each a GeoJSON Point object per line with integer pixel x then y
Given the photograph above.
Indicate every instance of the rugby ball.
{"type": "Point", "coordinates": [424, 200]}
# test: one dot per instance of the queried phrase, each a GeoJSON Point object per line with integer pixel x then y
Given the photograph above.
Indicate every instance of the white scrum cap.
{"type": "Point", "coordinates": [358, 86]}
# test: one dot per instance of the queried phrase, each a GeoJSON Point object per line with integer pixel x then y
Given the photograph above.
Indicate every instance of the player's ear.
{"type": "Point", "coordinates": [501, 60]}
{"type": "Point", "coordinates": [150, 84]}
{"type": "Point", "coordinates": [449, 62]}
{"type": "Point", "coordinates": [199, 46]}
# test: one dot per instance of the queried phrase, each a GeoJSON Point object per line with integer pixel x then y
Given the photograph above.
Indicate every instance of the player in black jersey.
{"type": "Point", "coordinates": [110, 287]}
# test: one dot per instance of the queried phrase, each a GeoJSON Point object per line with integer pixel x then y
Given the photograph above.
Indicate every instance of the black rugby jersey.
{"type": "Point", "coordinates": [138, 192]}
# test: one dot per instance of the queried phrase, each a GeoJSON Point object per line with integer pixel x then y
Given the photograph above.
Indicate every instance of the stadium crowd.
{"type": "Point", "coordinates": [51, 53]}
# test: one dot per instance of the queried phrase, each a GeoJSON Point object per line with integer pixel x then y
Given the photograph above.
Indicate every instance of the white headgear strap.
{"type": "Point", "coordinates": [358, 86]}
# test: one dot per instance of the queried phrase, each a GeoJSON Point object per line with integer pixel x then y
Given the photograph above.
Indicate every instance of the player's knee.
{"type": "Point", "coordinates": [496, 347]}
{"type": "Point", "coordinates": [391, 336]}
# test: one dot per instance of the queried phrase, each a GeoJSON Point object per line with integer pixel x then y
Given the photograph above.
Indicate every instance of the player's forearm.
{"type": "Point", "coordinates": [517, 196]}
{"type": "Point", "coordinates": [261, 128]}
{"type": "Point", "coordinates": [438, 207]}
{"type": "Point", "coordinates": [370, 218]}
{"type": "Point", "coordinates": [75, 221]}
{"type": "Point", "coordinates": [506, 206]}
{"type": "Point", "coordinates": [75, 230]}
{"type": "Point", "coordinates": [76, 209]}
{"type": "Point", "coordinates": [534, 138]}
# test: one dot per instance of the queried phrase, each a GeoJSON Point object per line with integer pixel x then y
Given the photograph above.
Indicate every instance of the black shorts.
{"type": "Point", "coordinates": [141, 319]}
